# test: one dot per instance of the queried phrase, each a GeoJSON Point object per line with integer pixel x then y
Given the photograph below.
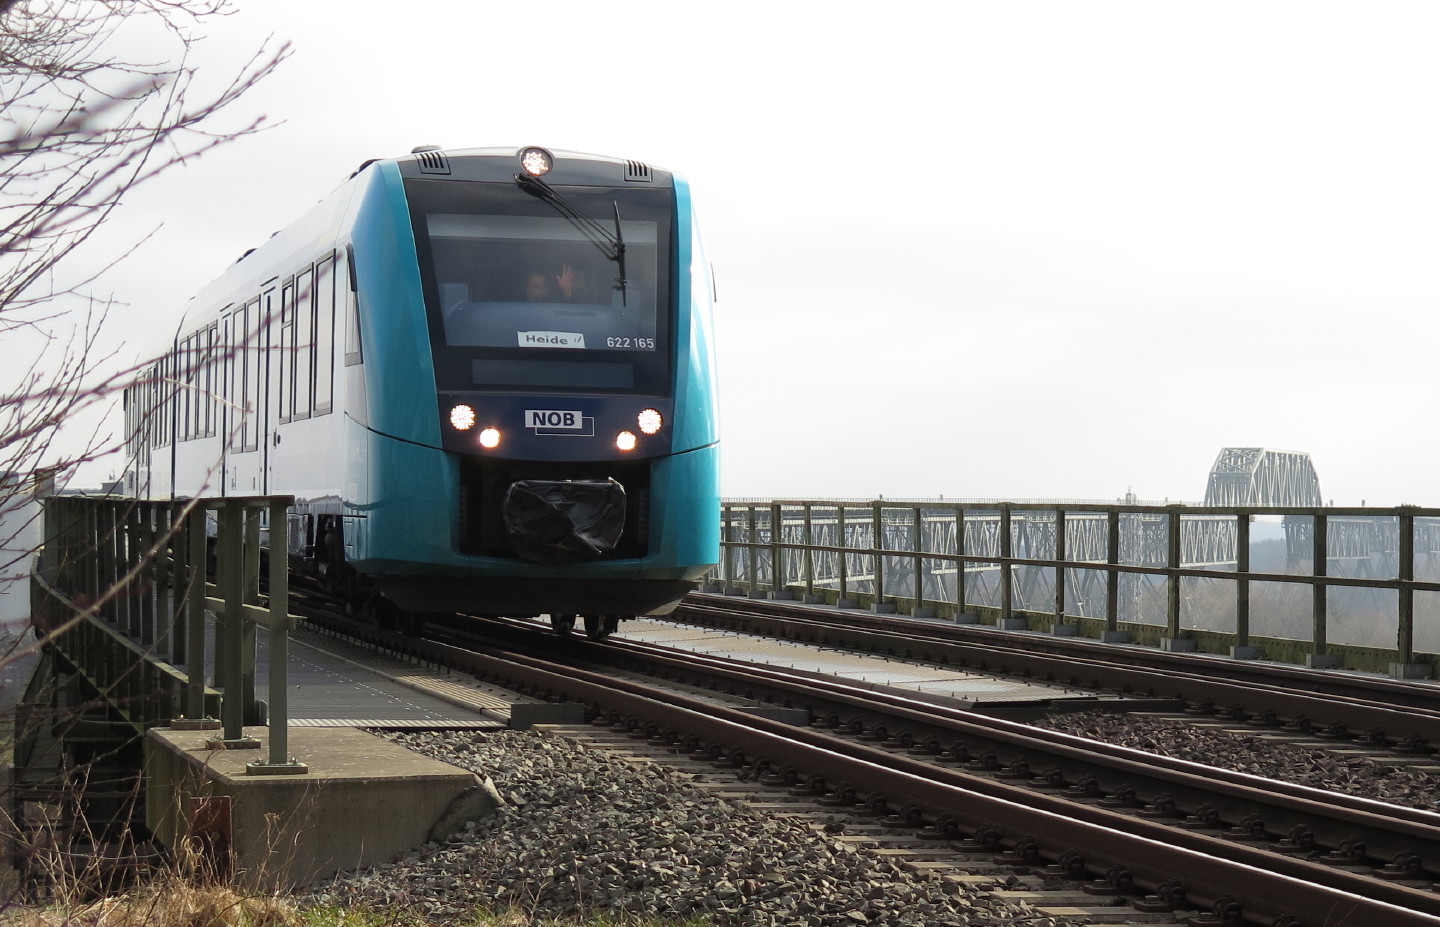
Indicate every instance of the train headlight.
{"type": "Point", "coordinates": [536, 161]}
{"type": "Point", "coordinates": [462, 417]}
{"type": "Point", "coordinates": [490, 438]}
{"type": "Point", "coordinates": [649, 421]}
{"type": "Point", "coordinates": [625, 440]}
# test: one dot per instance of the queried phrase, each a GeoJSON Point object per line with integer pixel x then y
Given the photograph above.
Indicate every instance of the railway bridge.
{"type": "Point", "coordinates": [1348, 584]}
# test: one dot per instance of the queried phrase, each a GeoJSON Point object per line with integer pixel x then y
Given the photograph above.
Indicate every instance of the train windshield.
{"type": "Point", "coordinates": [523, 297]}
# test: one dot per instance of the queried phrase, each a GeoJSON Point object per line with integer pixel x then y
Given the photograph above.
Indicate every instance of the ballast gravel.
{"type": "Point", "coordinates": [1333, 770]}
{"type": "Point", "coordinates": [584, 833]}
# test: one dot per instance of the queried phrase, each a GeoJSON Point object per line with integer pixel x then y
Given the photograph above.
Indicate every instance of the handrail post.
{"type": "Point", "coordinates": [777, 578]}
{"type": "Point", "coordinates": [727, 550]}
{"type": "Point", "coordinates": [1405, 666]}
{"type": "Point", "coordinates": [280, 761]}
{"type": "Point", "coordinates": [1172, 578]}
{"type": "Point", "coordinates": [1059, 566]}
{"type": "Point", "coordinates": [229, 643]}
{"type": "Point", "coordinates": [960, 564]}
{"type": "Point", "coordinates": [251, 595]}
{"type": "Point", "coordinates": [919, 548]}
{"type": "Point", "coordinates": [752, 555]}
{"type": "Point", "coordinates": [1006, 593]}
{"type": "Point", "coordinates": [195, 616]}
{"type": "Point", "coordinates": [809, 557]}
{"type": "Point", "coordinates": [1242, 585]}
{"type": "Point", "coordinates": [1319, 593]}
{"type": "Point", "coordinates": [877, 555]}
{"type": "Point", "coordinates": [843, 549]}
{"type": "Point", "coordinates": [1112, 575]}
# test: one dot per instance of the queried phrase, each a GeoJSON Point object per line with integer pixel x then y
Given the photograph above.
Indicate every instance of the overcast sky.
{"type": "Point", "coordinates": [997, 250]}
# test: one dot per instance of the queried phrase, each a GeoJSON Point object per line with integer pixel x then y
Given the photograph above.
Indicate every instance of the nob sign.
{"type": "Point", "coordinates": [550, 418]}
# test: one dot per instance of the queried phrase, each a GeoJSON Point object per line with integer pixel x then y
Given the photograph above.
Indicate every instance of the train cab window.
{"type": "Point", "coordinates": [521, 296]}
{"type": "Point", "coordinates": [353, 353]}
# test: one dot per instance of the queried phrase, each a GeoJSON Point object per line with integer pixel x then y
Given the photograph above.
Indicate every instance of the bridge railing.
{"type": "Point", "coordinates": [121, 590]}
{"type": "Point", "coordinates": [1312, 585]}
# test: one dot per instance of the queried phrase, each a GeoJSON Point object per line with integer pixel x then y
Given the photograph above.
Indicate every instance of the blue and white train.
{"type": "Point", "coordinates": [485, 375]}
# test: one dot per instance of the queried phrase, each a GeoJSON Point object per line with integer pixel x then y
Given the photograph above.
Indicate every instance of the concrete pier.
{"type": "Point", "coordinates": [362, 801]}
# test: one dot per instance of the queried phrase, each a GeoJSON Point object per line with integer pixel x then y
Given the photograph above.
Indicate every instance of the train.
{"type": "Point", "coordinates": [486, 376]}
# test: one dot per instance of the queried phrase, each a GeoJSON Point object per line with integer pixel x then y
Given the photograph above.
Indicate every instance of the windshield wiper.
{"type": "Point", "coordinates": [610, 245]}
{"type": "Point", "coordinates": [619, 252]}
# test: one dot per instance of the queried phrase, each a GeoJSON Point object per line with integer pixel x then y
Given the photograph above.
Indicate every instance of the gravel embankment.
{"type": "Point", "coordinates": [585, 833]}
{"type": "Point", "coordinates": [1259, 756]}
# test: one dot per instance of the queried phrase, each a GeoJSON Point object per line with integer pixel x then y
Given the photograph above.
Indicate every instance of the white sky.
{"type": "Point", "coordinates": [1018, 249]}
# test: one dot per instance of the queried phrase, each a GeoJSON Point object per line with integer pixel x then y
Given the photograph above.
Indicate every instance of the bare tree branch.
{"type": "Point", "coordinates": [82, 124]}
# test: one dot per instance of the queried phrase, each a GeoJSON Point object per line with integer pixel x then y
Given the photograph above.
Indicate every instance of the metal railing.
{"type": "Point", "coordinates": [121, 591]}
{"type": "Point", "coordinates": [1315, 585]}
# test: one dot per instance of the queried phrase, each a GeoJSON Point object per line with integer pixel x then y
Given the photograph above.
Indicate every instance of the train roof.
{"type": "Point", "coordinates": [500, 164]}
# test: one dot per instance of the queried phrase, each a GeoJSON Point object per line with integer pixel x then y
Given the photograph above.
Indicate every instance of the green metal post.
{"type": "Point", "coordinates": [1405, 636]}
{"type": "Point", "coordinates": [777, 570]}
{"type": "Point", "coordinates": [727, 551]}
{"type": "Point", "coordinates": [1320, 560]}
{"type": "Point", "coordinates": [1112, 575]}
{"type": "Point", "coordinates": [809, 557]}
{"type": "Point", "coordinates": [877, 550]}
{"type": "Point", "coordinates": [231, 638]}
{"type": "Point", "coordinates": [752, 555]}
{"type": "Point", "coordinates": [1006, 570]}
{"type": "Point", "coordinates": [1172, 580]}
{"type": "Point", "coordinates": [195, 616]}
{"type": "Point", "coordinates": [248, 631]}
{"type": "Point", "coordinates": [918, 545]}
{"type": "Point", "coordinates": [1059, 566]}
{"type": "Point", "coordinates": [151, 588]}
{"type": "Point", "coordinates": [960, 562]}
{"type": "Point", "coordinates": [279, 637]}
{"type": "Point", "coordinates": [1242, 580]}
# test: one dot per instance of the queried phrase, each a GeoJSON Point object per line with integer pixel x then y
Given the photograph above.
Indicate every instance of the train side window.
{"type": "Point", "coordinates": [167, 385]}
{"type": "Point", "coordinates": [265, 341]}
{"type": "Point", "coordinates": [186, 383]}
{"type": "Point", "coordinates": [190, 362]}
{"type": "Point", "coordinates": [211, 386]}
{"type": "Point", "coordinates": [162, 408]}
{"type": "Point", "coordinates": [240, 350]}
{"type": "Point", "coordinates": [304, 368]}
{"type": "Point", "coordinates": [160, 416]}
{"type": "Point", "coordinates": [324, 334]}
{"type": "Point", "coordinates": [353, 354]}
{"type": "Point", "coordinates": [287, 351]}
{"type": "Point", "coordinates": [224, 355]}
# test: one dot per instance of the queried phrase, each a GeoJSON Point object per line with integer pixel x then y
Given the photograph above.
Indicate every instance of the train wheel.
{"type": "Point", "coordinates": [412, 624]}
{"type": "Point", "coordinates": [598, 627]}
{"type": "Point", "coordinates": [562, 624]}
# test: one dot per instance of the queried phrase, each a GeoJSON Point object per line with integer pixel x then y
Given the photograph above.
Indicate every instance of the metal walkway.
{"type": "Point", "coordinates": [332, 684]}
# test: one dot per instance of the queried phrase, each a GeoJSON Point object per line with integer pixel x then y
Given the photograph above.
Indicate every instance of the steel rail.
{"type": "Point", "coordinates": [1269, 887]}
{"type": "Point", "coordinates": [1419, 720]}
{"type": "Point", "coordinates": [1387, 830]}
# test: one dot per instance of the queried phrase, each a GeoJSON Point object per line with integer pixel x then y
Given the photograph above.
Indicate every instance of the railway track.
{"type": "Point", "coordinates": [1172, 835]}
{"type": "Point", "coordinates": [1375, 711]}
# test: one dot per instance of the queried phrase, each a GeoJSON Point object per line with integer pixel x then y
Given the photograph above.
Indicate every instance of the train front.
{"type": "Point", "coordinates": [564, 458]}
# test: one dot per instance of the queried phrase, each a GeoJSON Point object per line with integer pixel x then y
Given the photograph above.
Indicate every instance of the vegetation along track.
{"type": "Point", "coordinates": [1222, 855]}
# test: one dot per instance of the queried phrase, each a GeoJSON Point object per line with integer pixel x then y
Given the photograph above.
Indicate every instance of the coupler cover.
{"type": "Point", "coordinates": [564, 521]}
